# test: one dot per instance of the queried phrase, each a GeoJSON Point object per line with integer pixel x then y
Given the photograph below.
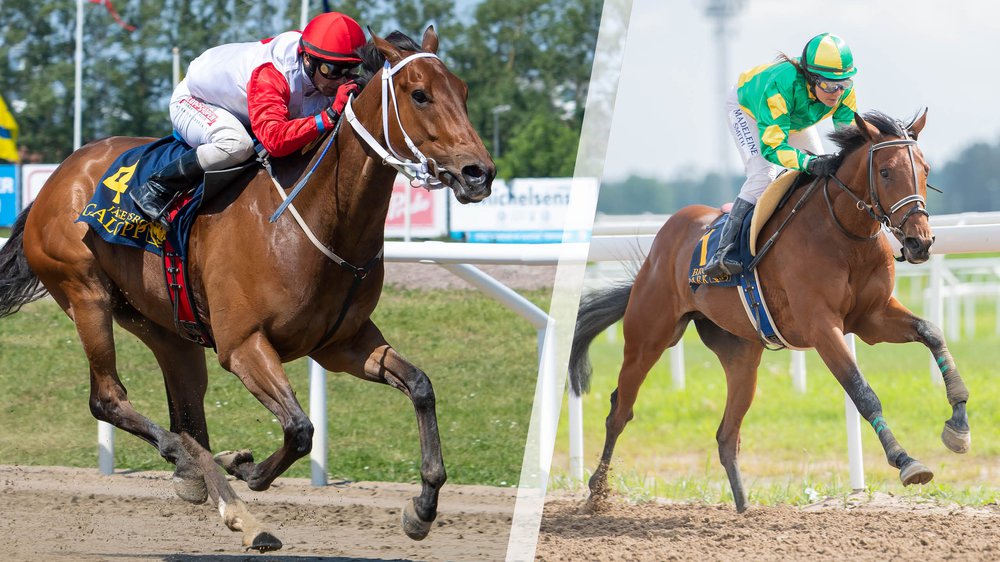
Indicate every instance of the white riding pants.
{"type": "Point", "coordinates": [761, 172]}
{"type": "Point", "coordinates": [220, 139]}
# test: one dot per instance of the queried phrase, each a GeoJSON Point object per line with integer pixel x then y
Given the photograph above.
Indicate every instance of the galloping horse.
{"type": "Point", "coordinates": [830, 273]}
{"type": "Point", "coordinates": [267, 292]}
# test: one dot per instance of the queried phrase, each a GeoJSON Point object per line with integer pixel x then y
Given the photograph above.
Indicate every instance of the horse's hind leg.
{"type": "Point", "coordinates": [186, 379]}
{"type": "Point", "coordinates": [649, 328]}
{"type": "Point", "coordinates": [371, 358]}
{"type": "Point", "coordinates": [833, 349]}
{"type": "Point", "coordinates": [90, 305]}
{"type": "Point", "coordinates": [896, 324]}
{"type": "Point", "coordinates": [740, 359]}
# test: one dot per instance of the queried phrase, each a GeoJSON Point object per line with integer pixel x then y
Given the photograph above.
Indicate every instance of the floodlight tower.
{"type": "Point", "coordinates": [722, 12]}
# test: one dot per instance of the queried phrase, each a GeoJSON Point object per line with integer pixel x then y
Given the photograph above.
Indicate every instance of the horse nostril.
{"type": "Point", "coordinates": [474, 175]}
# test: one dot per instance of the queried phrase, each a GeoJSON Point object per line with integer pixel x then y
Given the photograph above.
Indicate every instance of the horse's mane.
{"type": "Point", "coordinates": [372, 60]}
{"type": "Point", "coordinates": [850, 138]}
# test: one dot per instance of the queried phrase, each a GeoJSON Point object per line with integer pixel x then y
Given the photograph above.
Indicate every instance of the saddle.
{"type": "Point", "coordinates": [115, 218]}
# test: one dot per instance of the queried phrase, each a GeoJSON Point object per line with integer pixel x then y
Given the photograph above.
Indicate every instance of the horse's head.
{"type": "Point", "coordinates": [895, 172]}
{"type": "Point", "coordinates": [430, 103]}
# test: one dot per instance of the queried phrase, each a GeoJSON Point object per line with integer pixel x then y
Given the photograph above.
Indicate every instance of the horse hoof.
{"type": "Point", "coordinates": [915, 473]}
{"type": "Point", "coordinates": [232, 460]}
{"type": "Point", "coordinates": [191, 490]}
{"type": "Point", "coordinates": [957, 441]}
{"type": "Point", "coordinates": [414, 527]}
{"type": "Point", "coordinates": [264, 542]}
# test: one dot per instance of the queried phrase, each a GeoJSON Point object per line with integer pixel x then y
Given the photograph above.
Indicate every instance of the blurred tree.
{"type": "Point", "coordinates": [534, 55]}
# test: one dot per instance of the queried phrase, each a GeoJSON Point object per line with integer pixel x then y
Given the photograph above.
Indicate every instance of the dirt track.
{"type": "Point", "coordinates": [58, 513]}
{"type": "Point", "coordinates": [878, 528]}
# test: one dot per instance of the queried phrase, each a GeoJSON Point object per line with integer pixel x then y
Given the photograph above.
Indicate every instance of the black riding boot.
{"type": "Point", "coordinates": [154, 196]}
{"type": "Point", "coordinates": [719, 265]}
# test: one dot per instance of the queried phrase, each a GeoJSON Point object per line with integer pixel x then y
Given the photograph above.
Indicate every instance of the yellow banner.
{"type": "Point", "coordinates": [8, 134]}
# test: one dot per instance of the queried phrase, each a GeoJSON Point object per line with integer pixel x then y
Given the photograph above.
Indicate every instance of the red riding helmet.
{"type": "Point", "coordinates": [333, 37]}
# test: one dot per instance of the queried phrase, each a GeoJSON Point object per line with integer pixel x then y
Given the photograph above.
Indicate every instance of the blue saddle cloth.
{"type": "Point", "coordinates": [747, 280]}
{"type": "Point", "coordinates": [113, 215]}
{"type": "Point", "coordinates": [707, 246]}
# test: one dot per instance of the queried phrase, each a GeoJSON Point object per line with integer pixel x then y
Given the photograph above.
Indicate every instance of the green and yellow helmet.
{"type": "Point", "coordinates": [828, 56]}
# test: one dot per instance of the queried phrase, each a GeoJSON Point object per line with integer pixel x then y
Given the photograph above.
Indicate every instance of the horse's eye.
{"type": "Point", "coordinates": [419, 96]}
{"type": "Point", "coordinates": [884, 173]}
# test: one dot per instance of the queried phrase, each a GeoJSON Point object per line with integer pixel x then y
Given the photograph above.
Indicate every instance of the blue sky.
{"type": "Point", "coordinates": [910, 54]}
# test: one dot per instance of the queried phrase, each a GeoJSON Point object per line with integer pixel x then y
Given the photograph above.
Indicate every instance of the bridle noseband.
{"type": "Point", "coordinates": [875, 209]}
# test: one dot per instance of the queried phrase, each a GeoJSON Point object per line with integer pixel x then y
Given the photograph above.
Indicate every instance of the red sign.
{"type": "Point", "coordinates": [427, 210]}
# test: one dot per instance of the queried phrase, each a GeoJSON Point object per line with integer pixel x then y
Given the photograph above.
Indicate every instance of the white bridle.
{"type": "Point", "coordinates": [418, 171]}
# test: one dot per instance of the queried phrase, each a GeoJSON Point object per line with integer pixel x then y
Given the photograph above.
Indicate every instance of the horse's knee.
{"type": "Point", "coordinates": [106, 406]}
{"type": "Point", "coordinates": [729, 447]}
{"type": "Point", "coordinates": [932, 335]}
{"type": "Point", "coordinates": [421, 390]}
{"type": "Point", "coordinates": [299, 434]}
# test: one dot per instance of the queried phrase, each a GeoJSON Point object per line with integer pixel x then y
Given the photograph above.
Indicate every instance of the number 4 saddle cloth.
{"type": "Point", "coordinates": [748, 280]}
{"type": "Point", "coordinates": [113, 216]}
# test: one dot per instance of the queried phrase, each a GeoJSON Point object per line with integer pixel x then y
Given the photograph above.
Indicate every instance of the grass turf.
{"type": "Point", "coordinates": [481, 358]}
{"type": "Point", "coordinates": [793, 447]}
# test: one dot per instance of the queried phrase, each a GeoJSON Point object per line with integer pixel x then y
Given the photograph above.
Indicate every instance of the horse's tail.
{"type": "Point", "coordinates": [18, 284]}
{"type": "Point", "coordinates": [598, 310]}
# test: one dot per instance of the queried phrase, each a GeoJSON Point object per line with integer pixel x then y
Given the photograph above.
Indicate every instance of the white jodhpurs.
{"type": "Point", "coordinates": [761, 172]}
{"type": "Point", "coordinates": [220, 139]}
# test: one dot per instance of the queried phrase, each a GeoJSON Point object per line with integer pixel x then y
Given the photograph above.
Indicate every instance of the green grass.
{"type": "Point", "coordinates": [793, 447]}
{"type": "Point", "coordinates": [480, 356]}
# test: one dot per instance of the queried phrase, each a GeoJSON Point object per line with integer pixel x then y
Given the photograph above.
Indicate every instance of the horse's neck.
{"type": "Point", "coordinates": [346, 200]}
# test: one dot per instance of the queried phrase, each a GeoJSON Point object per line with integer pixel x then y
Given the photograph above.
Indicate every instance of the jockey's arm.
{"type": "Point", "coordinates": [267, 100]}
{"type": "Point", "coordinates": [774, 126]}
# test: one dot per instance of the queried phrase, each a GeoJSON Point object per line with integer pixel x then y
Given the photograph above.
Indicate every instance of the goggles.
{"type": "Point", "coordinates": [334, 71]}
{"type": "Point", "coordinates": [833, 86]}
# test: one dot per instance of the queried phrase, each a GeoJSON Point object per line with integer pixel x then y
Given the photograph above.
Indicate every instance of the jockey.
{"type": "Point", "coordinates": [285, 91]}
{"type": "Point", "coordinates": [779, 103]}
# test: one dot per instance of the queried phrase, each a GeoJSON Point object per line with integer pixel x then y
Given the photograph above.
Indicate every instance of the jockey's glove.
{"type": "Point", "coordinates": [344, 92]}
{"type": "Point", "coordinates": [823, 165]}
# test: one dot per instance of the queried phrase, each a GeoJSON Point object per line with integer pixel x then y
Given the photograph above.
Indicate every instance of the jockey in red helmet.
{"type": "Point", "coordinates": [285, 91]}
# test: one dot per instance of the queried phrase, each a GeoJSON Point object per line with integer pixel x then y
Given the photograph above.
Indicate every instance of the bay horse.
{"type": "Point", "coordinates": [268, 294]}
{"type": "Point", "coordinates": [828, 274]}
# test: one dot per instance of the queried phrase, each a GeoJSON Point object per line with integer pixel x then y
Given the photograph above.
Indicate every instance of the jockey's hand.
{"type": "Point", "coordinates": [343, 93]}
{"type": "Point", "coordinates": [823, 165]}
{"type": "Point", "coordinates": [340, 101]}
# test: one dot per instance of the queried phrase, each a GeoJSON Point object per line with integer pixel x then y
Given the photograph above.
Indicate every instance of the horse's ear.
{"type": "Point", "coordinates": [918, 124]}
{"type": "Point", "coordinates": [869, 131]}
{"type": "Point", "coordinates": [430, 40]}
{"type": "Point", "coordinates": [388, 50]}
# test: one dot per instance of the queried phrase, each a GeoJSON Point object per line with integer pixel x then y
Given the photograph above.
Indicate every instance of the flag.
{"type": "Point", "coordinates": [111, 10]}
{"type": "Point", "coordinates": [8, 134]}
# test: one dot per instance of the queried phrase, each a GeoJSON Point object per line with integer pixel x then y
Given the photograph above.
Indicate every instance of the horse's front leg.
{"type": "Point", "coordinates": [368, 356]}
{"type": "Point", "coordinates": [259, 367]}
{"type": "Point", "coordinates": [896, 324]}
{"type": "Point", "coordinates": [831, 346]}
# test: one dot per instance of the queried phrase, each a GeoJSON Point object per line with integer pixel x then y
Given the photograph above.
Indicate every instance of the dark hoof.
{"type": "Point", "coordinates": [264, 542]}
{"type": "Point", "coordinates": [414, 527]}
{"type": "Point", "coordinates": [915, 473]}
{"type": "Point", "coordinates": [957, 441]}
{"type": "Point", "coordinates": [233, 461]}
{"type": "Point", "coordinates": [191, 490]}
